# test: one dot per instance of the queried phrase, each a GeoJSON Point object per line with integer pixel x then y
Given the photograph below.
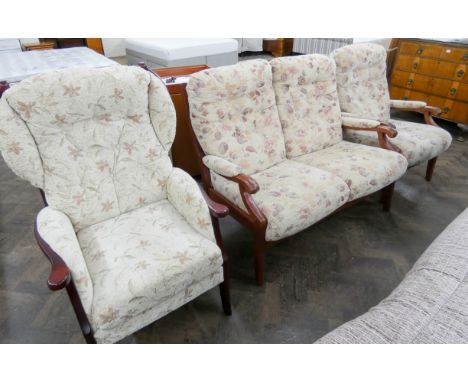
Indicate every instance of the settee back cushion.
{"type": "Point", "coordinates": [102, 136]}
{"type": "Point", "coordinates": [361, 80]}
{"type": "Point", "coordinates": [307, 101]}
{"type": "Point", "coordinates": [234, 115]}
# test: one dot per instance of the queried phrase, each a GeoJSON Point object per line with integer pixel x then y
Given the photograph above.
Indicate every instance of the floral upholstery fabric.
{"type": "Point", "coordinates": [99, 149]}
{"type": "Point", "coordinates": [307, 102]}
{"type": "Point", "coordinates": [401, 104]}
{"type": "Point", "coordinates": [221, 166]}
{"type": "Point", "coordinates": [234, 115]}
{"type": "Point", "coordinates": [361, 80]}
{"type": "Point", "coordinates": [18, 147]}
{"type": "Point", "coordinates": [292, 196]}
{"type": "Point", "coordinates": [418, 142]}
{"type": "Point", "coordinates": [364, 169]}
{"type": "Point", "coordinates": [144, 264]}
{"type": "Point", "coordinates": [55, 229]}
{"type": "Point", "coordinates": [183, 193]}
{"type": "Point", "coordinates": [359, 122]}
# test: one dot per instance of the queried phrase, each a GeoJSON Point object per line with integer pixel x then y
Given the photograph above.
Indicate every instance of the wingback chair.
{"type": "Point", "coordinates": [129, 236]}
{"type": "Point", "coordinates": [247, 161]}
{"type": "Point", "coordinates": [363, 91]}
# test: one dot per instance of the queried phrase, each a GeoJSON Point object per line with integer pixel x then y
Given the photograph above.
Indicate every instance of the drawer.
{"type": "Point", "coordinates": [454, 54]}
{"type": "Point", "coordinates": [450, 89]}
{"type": "Point", "coordinates": [10, 44]}
{"type": "Point", "coordinates": [417, 49]}
{"type": "Point", "coordinates": [407, 94]}
{"type": "Point", "coordinates": [411, 81]}
{"type": "Point", "coordinates": [452, 110]}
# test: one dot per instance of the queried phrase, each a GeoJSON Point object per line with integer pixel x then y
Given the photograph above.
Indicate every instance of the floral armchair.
{"type": "Point", "coordinates": [363, 91]}
{"type": "Point", "coordinates": [249, 147]}
{"type": "Point", "coordinates": [129, 237]}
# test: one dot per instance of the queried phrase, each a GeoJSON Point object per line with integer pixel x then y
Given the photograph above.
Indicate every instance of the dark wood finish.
{"type": "Point", "coordinates": [387, 196]}
{"type": "Point", "coordinates": [4, 86]}
{"type": "Point", "coordinates": [434, 72]}
{"type": "Point", "coordinates": [183, 151]}
{"type": "Point", "coordinates": [430, 168]}
{"type": "Point", "coordinates": [279, 47]}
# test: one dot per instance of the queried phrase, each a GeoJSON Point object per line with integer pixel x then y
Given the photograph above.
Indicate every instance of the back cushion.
{"type": "Point", "coordinates": [100, 153]}
{"type": "Point", "coordinates": [307, 101]}
{"type": "Point", "coordinates": [234, 115]}
{"type": "Point", "coordinates": [362, 81]}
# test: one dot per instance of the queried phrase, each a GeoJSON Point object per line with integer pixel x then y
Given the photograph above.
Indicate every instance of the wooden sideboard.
{"type": "Point", "coordinates": [183, 151]}
{"type": "Point", "coordinates": [278, 47]}
{"type": "Point", "coordinates": [434, 72]}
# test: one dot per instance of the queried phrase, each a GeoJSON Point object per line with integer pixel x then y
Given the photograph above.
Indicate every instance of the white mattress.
{"type": "Point", "coordinates": [15, 66]}
{"type": "Point", "coordinates": [181, 48]}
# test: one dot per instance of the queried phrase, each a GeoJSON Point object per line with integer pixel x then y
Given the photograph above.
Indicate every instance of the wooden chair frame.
{"type": "Point", "coordinates": [428, 112]}
{"type": "Point", "coordinates": [253, 218]}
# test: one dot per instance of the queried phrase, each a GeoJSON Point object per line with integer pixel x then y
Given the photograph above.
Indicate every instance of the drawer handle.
{"type": "Point", "coordinates": [460, 73]}
{"type": "Point", "coordinates": [453, 91]}
{"type": "Point", "coordinates": [465, 57]}
{"type": "Point", "coordinates": [410, 82]}
{"type": "Point", "coordinates": [445, 110]}
{"type": "Point", "coordinates": [405, 98]}
{"type": "Point", "coordinates": [415, 65]}
{"type": "Point", "coordinates": [420, 50]}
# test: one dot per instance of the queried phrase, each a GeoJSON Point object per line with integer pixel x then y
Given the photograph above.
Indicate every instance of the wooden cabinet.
{"type": "Point", "coordinates": [278, 47]}
{"type": "Point", "coordinates": [183, 150]}
{"type": "Point", "coordinates": [434, 72]}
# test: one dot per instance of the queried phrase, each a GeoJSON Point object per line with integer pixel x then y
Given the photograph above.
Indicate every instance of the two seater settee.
{"type": "Point", "coordinates": [271, 142]}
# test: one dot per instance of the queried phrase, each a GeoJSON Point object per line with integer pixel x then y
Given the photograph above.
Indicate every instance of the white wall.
{"type": "Point", "coordinates": [385, 42]}
{"type": "Point", "coordinates": [114, 47]}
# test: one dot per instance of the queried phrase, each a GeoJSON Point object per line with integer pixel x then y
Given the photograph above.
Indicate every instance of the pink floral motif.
{"type": "Point", "coordinates": [26, 108]}
{"type": "Point", "coordinates": [14, 147]}
{"type": "Point", "coordinates": [117, 95]}
{"type": "Point", "coordinates": [107, 206]}
{"type": "Point", "coordinates": [71, 90]}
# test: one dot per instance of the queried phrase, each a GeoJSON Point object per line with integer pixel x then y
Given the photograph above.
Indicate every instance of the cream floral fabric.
{"type": "Point", "coordinates": [183, 193]}
{"type": "Point", "coordinates": [234, 115]}
{"type": "Point", "coordinates": [143, 264]}
{"type": "Point", "coordinates": [417, 142]}
{"type": "Point", "coordinates": [361, 80]}
{"type": "Point", "coordinates": [55, 229]}
{"type": "Point", "coordinates": [18, 147]}
{"type": "Point", "coordinates": [307, 101]}
{"type": "Point", "coordinates": [364, 169]}
{"type": "Point", "coordinates": [221, 166]}
{"type": "Point", "coordinates": [98, 147]}
{"type": "Point", "coordinates": [362, 123]}
{"type": "Point", "coordinates": [406, 104]}
{"type": "Point", "coordinates": [292, 196]}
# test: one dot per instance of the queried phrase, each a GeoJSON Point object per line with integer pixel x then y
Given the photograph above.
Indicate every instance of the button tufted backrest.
{"type": "Point", "coordinates": [307, 101]}
{"type": "Point", "coordinates": [101, 137]}
{"type": "Point", "coordinates": [361, 80]}
{"type": "Point", "coordinates": [234, 115]}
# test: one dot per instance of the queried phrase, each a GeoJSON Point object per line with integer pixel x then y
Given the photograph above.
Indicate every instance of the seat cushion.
{"type": "Point", "coordinates": [292, 196]}
{"type": "Point", "coordinates": [139, 261]}
{"type": "Point", "coordinates": [418, 142]}
{"type": "Point", "coordinates": [364, 169]}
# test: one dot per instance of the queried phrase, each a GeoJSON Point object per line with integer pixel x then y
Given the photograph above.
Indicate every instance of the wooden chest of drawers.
{"type": "Point", "coordinates": [434, 72]}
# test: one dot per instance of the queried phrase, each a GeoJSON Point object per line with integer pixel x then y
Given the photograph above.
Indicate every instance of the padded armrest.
{"type": "Point", "coordinates": [363, 123]}
{"type": "Point", "coordinates": [221, 166]}
{"type": "Point", "coordinates": [57, 239]}
{"type": "Point", "coordinates": [186, 197]}
{"type": "Point", "coordinates": [402, 104]}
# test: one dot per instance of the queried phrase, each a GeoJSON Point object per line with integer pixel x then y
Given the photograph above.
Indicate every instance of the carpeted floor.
{"type": "Point", "coordinates": [316, 280]}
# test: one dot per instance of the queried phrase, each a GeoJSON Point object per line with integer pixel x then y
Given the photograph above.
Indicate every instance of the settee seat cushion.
{"type": "Point", "coordinates": [144, 264]}
{"type": "Point", "coordinates": [292, 196]}
{"type": "Point", "coordinates": [364, 169]}
{"type": "Point", "coordinates": [418, 142]}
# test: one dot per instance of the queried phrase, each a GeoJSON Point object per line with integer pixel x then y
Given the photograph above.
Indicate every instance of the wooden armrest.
{"type": "Point", "coordinates": [60, 274]}
{"type": "Point", "coordinates": [245, 182]}
{"type": "Point", "coordinates": [384, 128]}
{"type": "Point", "coordinates": [217, 210]}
